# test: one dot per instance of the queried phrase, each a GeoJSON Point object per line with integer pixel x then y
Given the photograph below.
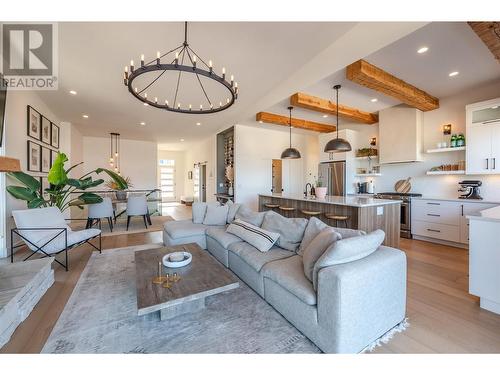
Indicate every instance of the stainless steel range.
{"type": "Point", "coordinates": [405, 209]}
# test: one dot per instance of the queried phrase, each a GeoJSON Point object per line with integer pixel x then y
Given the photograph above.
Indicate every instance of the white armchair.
{"type": "Point", "coordinates": [44, 231]}
{"type": "Point", "coordinates": [98, 211]}
{"type": "Point", "coordinates": [137, 206]}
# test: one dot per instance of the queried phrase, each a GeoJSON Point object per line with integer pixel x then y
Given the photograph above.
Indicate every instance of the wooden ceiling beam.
{"type": "Point", "coordinates": [314, 103]}
{"type": "Point", "coordinates": [487, 31]}
{"type": "Point", "coordinates": [272, 118]}
{"type": "Point", "coordinates": [368, 75]}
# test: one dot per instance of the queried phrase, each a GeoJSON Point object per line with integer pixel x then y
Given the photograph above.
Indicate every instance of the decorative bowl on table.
{"type": "Point", "coordinates": [177, 259]}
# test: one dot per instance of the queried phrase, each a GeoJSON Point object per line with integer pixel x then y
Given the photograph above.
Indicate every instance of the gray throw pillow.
{"type": "Point", "coordinates": [216, 215]}
{"type": "Point", "coordinates": [348, 250]}
{"type": "Point", "coordinates": [316, 248]}
{"type": "Point", "coordinates": [314, 226]}
{"type": "Point", "coordinates": [233, 208]}
{"type": "Point", "coordinates": [248, 215]}
{"type": "Point", "coordinates": [199, 210]}
{"type": "Point", "coordinates": [348, 233]}
{"type": "Point", "coordinates": [291, 230]}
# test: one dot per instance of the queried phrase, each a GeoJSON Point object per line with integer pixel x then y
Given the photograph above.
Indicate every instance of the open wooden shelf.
{"type": "Point", "coordinates": [431, 173]}
{"type": "Point", "coordinates": [447, 149]}
{"type": "Point", "coordinates": [368, 174]}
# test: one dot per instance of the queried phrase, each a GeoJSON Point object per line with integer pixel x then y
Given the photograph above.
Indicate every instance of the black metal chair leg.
{"type": "Point", "coordinates": [110, 223]}
{"type": "Point", "coordinates": [87, 226]}
{"type": "Point", "coordinates": [12, 246]}
{"type": "Point", "coordinates": [66, 255]}
{"type": "Point", "coordinates": [148, 215]}
{"type": "Point", "coordinates": [145, 221]}
{"type": "Point", "coordinates": [128, 221]}
{"type": "Point", "coordinates": [100, 225]}
{"type": "Point", "coordinates": [100, 243]}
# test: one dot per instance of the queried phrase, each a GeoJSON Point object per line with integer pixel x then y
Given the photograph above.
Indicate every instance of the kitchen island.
{"type": "Point", "coordinates": [364, 213]}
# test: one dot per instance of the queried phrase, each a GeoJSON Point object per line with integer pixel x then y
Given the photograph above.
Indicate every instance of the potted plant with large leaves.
{"type": "Point", "coordinates": [64, 191]}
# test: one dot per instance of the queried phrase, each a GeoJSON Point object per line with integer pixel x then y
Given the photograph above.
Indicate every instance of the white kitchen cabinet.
{"type": "Point", "coordinates": [483, 137]}
{"type": "Point", "coordinates": [400, 135]}
{"type": "Point", "coordinates": [444, 220]}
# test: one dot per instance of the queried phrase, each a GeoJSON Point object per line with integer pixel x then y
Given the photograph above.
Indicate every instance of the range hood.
{"type": "Point", "coordinates": [400, 135]}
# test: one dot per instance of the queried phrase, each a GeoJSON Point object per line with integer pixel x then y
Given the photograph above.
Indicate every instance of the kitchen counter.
{"type": "Point", "coordinates": [348, 200]}
{"type": "Point", "coordinates": [364, 213]}
{"type": "Point", "coordinates": [448, 199]}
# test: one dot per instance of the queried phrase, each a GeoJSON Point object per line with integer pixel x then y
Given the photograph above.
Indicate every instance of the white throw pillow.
{"type": "Point", "coordinates": [262, 239]}
{"type": "Point", "coordinates": [216, 215]}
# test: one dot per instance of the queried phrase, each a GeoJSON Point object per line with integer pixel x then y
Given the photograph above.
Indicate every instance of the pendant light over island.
{"type": "Point", "coordinates": [337, 144]}
{"type": "Point", "coordinates": [290, 152]}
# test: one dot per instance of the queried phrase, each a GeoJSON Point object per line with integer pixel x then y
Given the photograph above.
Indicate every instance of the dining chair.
{"type": "Point", "coordinates": [44, 231]}
{"type": "Point", "coordinates": [137, 206]}
{"type": "Point", "coordinates": [98, 211]}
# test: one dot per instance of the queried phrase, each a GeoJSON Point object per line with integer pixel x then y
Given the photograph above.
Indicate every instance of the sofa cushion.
{"type": "Point", "coordinates": [222, 237]}
{"type": "Point", "coordinates": [262, 239]}
{"type": "Point", "coordinates": [289, 274]}
{"type": "Point", "coordinates": [348, 250]}
{"type": "Point", "coordinates": [248, 215]}
{"type": "Point", "coordinates": [255, 258]}
{"type": "Point", "coordinates": [291, 230]}
{"type": "Point", "coordinates": [199, 210]}
{"type": "Point", "coordinates": [184, 228]}
{"type": "Point", "coordinates": [316, 248]}
{"type": "Point", "coordinates": [216, 215]}
{"type": "Point", "coordinates": [348, 233]}
{"type": "Point", "coordinates": [314, 226]}
{"type": "Point", "coordinates": [233, 208]}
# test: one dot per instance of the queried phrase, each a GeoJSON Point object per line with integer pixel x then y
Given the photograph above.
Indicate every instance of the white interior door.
{"type": "Point", "coordinates": [167, 180]}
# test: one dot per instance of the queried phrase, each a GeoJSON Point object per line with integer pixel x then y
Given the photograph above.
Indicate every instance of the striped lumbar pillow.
{"type": "Point", "coordinates": [262, 239]}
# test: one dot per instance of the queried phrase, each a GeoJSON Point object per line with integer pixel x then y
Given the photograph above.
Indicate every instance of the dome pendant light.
{"type": "Point", "coordinates": [338, 144]}
{"type": "Point", "coordinates": [290, 152]}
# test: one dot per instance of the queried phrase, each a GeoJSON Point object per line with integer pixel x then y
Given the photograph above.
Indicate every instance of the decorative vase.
{"type": "Point", "coordinates": [230, 190]}
{"type": "Point", "coordinates": [320, 192]}
{"type": "Point", "coordinates": [121, 195]}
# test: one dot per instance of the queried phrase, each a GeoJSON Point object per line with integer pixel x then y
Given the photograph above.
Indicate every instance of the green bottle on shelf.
{"type": "Point", "coordinates": [453, 141]}
{"type": "Point", "coordinates": [460, 140]}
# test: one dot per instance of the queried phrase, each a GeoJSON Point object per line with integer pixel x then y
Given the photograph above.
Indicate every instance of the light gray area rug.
{"type": "Point", "coordinates": [101, 317]}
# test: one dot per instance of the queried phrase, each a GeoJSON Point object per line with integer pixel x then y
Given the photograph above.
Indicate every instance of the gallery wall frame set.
{"type": "Point", "coordinates": [40, 128]}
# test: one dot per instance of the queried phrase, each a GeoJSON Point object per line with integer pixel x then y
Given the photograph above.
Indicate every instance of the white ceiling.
{"type": "Point", "coordinates": [92, 57]}
{"type": "Point", "coordinates": [453, 46]}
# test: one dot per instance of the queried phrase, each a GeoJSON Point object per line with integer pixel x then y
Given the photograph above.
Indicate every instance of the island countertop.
{"type": "Point", "coordinates": [348, 200]}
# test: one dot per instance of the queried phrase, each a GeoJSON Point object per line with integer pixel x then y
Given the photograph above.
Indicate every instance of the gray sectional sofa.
{"type": "Point", "coordinates": [350, 306]}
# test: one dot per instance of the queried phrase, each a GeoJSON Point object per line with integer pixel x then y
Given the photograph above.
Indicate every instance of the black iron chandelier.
{"type": "Point", "coordinates": [180, 56]}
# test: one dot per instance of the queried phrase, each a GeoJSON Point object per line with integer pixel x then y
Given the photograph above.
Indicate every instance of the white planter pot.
{"type": "Point", "coordinates": [320, 192]}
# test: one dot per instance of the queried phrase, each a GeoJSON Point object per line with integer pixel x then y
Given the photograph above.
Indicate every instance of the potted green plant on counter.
{"type": "Point", "coordinates": [119, 189]}
{"type": "Point", "coordinates": [64, 191]}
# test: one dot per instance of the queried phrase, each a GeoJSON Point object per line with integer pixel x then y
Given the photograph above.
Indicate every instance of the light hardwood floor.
{"type": "Point", "coordinates": [443, 317]}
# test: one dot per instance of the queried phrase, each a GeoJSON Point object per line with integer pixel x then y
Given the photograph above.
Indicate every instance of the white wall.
{"type": "Point", "coordinates": [15, 145]}
{"type": "Point", "coordinates": [139, 159]}
{"type": "Point", "coordinates": [180, 169]}
{"type": "Point", "coordinates": [255, 147]}
{"type": "Point", "coordinates": [451, 111]}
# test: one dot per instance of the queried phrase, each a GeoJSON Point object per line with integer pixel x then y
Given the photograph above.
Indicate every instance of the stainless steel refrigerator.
{"type": "Point", "coordinates": [332, 175]}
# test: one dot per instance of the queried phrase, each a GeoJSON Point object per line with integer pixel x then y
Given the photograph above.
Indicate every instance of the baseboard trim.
{"type": "Point", "coordinates": [441, 242]}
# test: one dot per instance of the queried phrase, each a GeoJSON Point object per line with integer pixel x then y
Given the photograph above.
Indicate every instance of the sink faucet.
{"type": "Point", "coordinates": [310, 189]}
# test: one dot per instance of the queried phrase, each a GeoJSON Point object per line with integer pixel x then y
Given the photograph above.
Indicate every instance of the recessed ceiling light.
{"type": "Point", "coordinates": [198, 123]}
{"type": "Point", "coordinates": [374, 100]}
{"type": "Point", "coordinates": [143, 123]}
{"type": "Point", "coordinates": [73, 92]}
{"type": "Point", "coordinates": [325, 116]}
{"type": "Point", "coordinates": [85, 116]}
{"type": "Point", "coordinates": [453, 74]}
{"type": "Point", "coordinates": [182, 139]}
{"type": "Point", "coordinates": [422, 49]}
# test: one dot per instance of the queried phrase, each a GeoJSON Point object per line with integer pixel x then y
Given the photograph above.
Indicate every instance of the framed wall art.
{"type": "Point", "coordinates": [34, 123]}
{"type": "Point", "coordinates": [45, 129]}
{"type": "Point", "coordinates": [55, 136]}
{"type": "Point", "coordinates": [34, 156]}
{"type": "Point", "coordinates": [46, 159]}
{"type": "Point", "coordinates": [53, 156]}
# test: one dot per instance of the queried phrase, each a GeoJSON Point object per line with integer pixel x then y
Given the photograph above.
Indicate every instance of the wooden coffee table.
{"type": "Point", "coordinates": [203, 277]}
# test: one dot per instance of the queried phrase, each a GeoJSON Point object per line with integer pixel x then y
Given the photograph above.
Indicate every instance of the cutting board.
{"type": "Point", "coordinates": [403, 186]}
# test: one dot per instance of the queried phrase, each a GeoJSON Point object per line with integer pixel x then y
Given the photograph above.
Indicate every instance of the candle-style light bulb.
{"type": "Point", "coordinates": [201, 107]}
{"type": "Point", "coordinates": [176, 58]}
{"type": "Point", "coordinates": [210, 66]}
{"type": "Point", "coordinates": [126, 69]}
{"type": "Point", "coordinates": [166, 102]}
{"type": "Point", "coordinates": [158, 54]}
{"type": "Point", "coordinates": [142, 60]}
{"type": "Point", "coordinates": [116, 154]}
{"type": "Point", "coordinates": [145, 95]}
{"type": "Point", "coordinates": [223, 73]}
{"type": "Point", "coordinates": [135, 89]}
{"type": "Point", "coordinates": [178, 105]}
{"type": "Point", "coordinates": [190, 107]}
{"type": "Point", "coordinates": [131, 65]}
{"type": "Point", "coordinates": [220, 104]}
{"type": "Point", "coordinates": [211, 106]}
{"type": "Point", "coordinates": [156, 100]}
{"type": "Point", "coordinates": [227, 100]}
{"type": "Point", "coordinates": [232, 80]}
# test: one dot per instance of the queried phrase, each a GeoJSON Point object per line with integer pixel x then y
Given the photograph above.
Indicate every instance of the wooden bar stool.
{"type": "Point", "coordinates": [271, 206]}
{"type": "Point", "coordinates": [311, 213]}
{"type": "Point", "coordinates": [338, 218]}
{"type": "Point", "coordinates": [287, 210]}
